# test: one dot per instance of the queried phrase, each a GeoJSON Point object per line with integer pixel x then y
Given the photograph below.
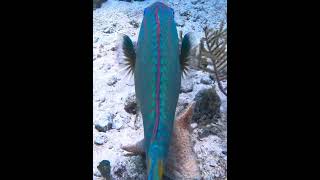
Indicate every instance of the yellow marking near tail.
{"type": "Point", "coordinates": [161, 168]}
{"type": "Point", "coordinates": [149, 163]}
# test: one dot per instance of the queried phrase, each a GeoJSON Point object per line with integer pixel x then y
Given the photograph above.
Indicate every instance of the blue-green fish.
{"type": "Point", "coordinates": [157, 63]}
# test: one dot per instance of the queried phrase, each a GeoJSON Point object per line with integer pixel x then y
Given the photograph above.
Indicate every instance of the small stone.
{"type": "Point", "coordinates": [130, 105]}
{"type": "Point", "coordinates": [113, 48]}
{"type": "Point", "coordinates": [193, 125]}
{"type": "Point", "coordinates": [206, 80]}
{"type": "Point", "coordinates": [104, 124]}
{"type": "Point", "coordinates": [100, 139]}
{"type": "Point", "coordinates": [134, 24]}
{"type": "Point", "coordinates": [109, 30]}
{"type": "Point", "coordinates": [224, 152]}
{"type": "Point", "coordinates": [110, 147]}
{"type": "Point", "coordinates": [130, 83]}
{"type": "Point", "coordinates": [185, 13]}
{"type": "Point", "coordinates": [199, 8]}
{"type": "Point", "coordinates": [196, 18]}
{"type": "Point", "coordinates": [99, 56]}
{"type": "Point", "coordinates": [97, 3]}
{"type": "Point", "coordinates": [96, 173]}
{"type": "Point", "coordinates": [112, 81]}
{"type": "Point", "coordinates": [180, 22]}
{"type": "Point", "coordinates": [117, 124]}
{"type": "Point", "coordinates": [100, 98]}
{"type": "Point", "coordinates": [96, 40]}
{"type": "Point", "coordinates": [194, 2]}
{"type": "Point", "coordinates": [211, 76]}
{"type": "Point", "coordinates": [204, 133]}
{"type": "Point", "coordinates": [104, 168]}
{"type": "Point", "coordinates": [103, 99]}
{"type": "Point", "coordinates": [186, 86]}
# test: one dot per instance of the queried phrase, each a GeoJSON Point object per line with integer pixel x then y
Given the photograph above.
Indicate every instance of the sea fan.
{"type": "Point", "coordinates": [213, 51]}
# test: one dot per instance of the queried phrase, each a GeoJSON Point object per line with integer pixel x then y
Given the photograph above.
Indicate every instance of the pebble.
{"type": "Point", "coordinates": [206, 80]}
{"type": "Point", "coordinates": [186, 86]}
{"type": "Point", "coordinates": [105, 123]}
{"type": "Point", "coordinates": [100, 139]}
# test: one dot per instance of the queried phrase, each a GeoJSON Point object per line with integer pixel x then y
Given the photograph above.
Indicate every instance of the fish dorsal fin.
{"type": "Point", "coordinates": [128, 53]}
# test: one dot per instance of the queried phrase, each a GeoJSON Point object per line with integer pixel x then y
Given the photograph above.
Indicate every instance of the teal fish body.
{"type": "Point", "coordinates": [157, 78]}
{"type": "Point", "coordinates": [157, 64]}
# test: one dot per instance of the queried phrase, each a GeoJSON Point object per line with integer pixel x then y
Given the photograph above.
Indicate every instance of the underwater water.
{"type": "Point", "coordinates": [114, 106]}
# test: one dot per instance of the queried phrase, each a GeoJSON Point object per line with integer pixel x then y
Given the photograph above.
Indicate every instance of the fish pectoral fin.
{"type": "Point", "coordinates": [127, 51]}
{"type": "Point", "coordinates": [186, 50]}
{"type": "Point", "coordinates": [134, 149]}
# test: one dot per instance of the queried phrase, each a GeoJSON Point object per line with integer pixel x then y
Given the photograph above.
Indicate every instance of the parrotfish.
{"type": "Point", "coordinates": [157, 62]}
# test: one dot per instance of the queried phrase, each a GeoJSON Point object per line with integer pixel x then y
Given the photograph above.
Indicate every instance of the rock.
{"type": "Point", "coordinates": [186, 86]}
{"type": "Point", "coordinates": [96, 40]}
{"type": "Point", "coordinates": [105, 123]}
{"type": "Point", "coordinates": [208, 130]}
{"type": "Point", "coordinates": [100, 139]}
{"type": "Point", "coordinates": [113, 49]}
{"type": "Point", "coordinates": [113, 80]}
{"type": "Point", "coordinates": [181, 105]}
{"type": "Point", "coordinates": [206, 80]}
{"type": "Point", "coordinates": [96, 173]}
{"type": "Point", "coordinates": [130, 105]}
{"type": "Point", "coordinates": [109, 30]}
{"type": "Point", "coordinates": [211, 76]}
{"type": "Point", "coordinates": [100, 99]}
{"type": "Point", "coordinates": [196, 18]}
{"type": "Point", "coordinates": [131, 83]}
{"type": "Point", "coordinates": [193, 125]}
{"type": "Point", "coordinates": [126, 0]}
{"type": "Point", "coordinates": [117, 123]}
{"type": "Point", "coordinates": [120, 170]}
{"type": "Point", "coordinates": [185, 13]}
{"type": "Point", "coordinates": [99, 56]}
{"type": "Point", "coordinates": [199, 8]}
{"type": "Point", "coordinates": [194, 1]}
{"type": "Point", "coordinates": [98, 3]}
{"type": "Point", "coordinates": [134, 24]}
{"type": "Point", "coordinates": [207, 107]}
{"type": "Point", "coordinates": [180, 22]}
{"type": "Point", "coordinates": [104, 168]}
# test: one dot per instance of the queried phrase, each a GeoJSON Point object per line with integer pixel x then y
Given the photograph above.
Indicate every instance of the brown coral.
{"type": "Point", "coordinates": [181, 162]}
